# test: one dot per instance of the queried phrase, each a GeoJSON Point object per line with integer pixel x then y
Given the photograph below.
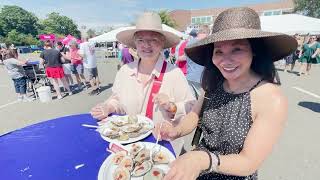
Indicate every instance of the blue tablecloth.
{"type": "Point", "coordinates": [53, 149]}
{"type": "Point", "coordinates": [32, 62]}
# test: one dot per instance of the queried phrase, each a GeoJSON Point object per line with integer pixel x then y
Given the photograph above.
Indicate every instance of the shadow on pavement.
{"type": "Point", "coordinates": [102, 88]}
{"type": "Point", "coordinates": [310, 105]}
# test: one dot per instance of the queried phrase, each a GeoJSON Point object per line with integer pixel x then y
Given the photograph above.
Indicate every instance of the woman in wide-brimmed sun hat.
{"type": "Point", "coordinates": [149, 86]}
{"type": "Point", "coordinates": [243, 110]}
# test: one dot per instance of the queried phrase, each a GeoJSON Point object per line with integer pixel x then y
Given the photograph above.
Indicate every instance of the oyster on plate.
{"type": "Point", "coordinates": [110, 133]}
{"type": "Point", "coordinates": [160, 158]}
{"type": "Point", "coordinates": [127, 162]}
{"type": "Point", "coordinates": [142, 169]}
{"type": "Point", "coordinates": [118, 157]}
{"type": "Point", "coordinates": [135, 149]}
{"type": "Point", "coordinates": [121, 121]}
{"type": "Point", "coordinates": [121, 173]}
{"type": "Point", "coordinates": [154, 174]}
{"type": "Point", "coordinates": [142, 156]}
{"type": "Point", "coordinates": [132, 119]}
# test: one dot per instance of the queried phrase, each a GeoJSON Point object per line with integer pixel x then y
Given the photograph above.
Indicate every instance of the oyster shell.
{"type": "Point", "coordinates": [132, 119]}
{"type": "Point", "coordinates": [145, 128]}
{"type": "Point", "coordinates": [142, 169]}
{"type": "Point", "coordinates": [123, 137]}
{"type": "Point", "coordinates": [154, 174]}
{"type": "Point", "coordinates": [118, 157]}
{"type": "Point", "coordinates": [134, 134]}
{"type": "Point", "coordinates": [121, 173]}
{"type": "Point", "coordinates": [135, 149]}
{"type": "Point", "coordinates": [160, 158]}
{"type": "Point", "coordinates": [127, 162]}
{"type": "Point", "coordinates": [121, 121]}
{"type": "Point", "coordinates": [131, 128]}
{"type": "Point", "coordinates": [142, 156]}
{"type": "Point", "coordinates": [110, 133]}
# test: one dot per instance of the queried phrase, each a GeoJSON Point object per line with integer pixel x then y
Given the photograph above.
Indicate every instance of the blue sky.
{"type": "Point", "coordinates": [102, 13]}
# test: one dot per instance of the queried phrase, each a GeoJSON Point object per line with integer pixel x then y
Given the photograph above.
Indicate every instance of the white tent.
{"type": "Point", "coordinates": [290, 24]}
{"type": "Point", "coordinates": [111, 36]}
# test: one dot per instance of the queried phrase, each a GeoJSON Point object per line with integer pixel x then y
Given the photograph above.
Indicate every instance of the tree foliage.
{"type": "Point", "coordinates": [16, 18]}
{"type": "Point", "coordinates": [58, 24]}
{"type": "Point", "coordinates": [14, 37]}
{"type": "Point", "coordinates": [91, 33]}
{"type": "Point", "coordinates": [308, 7]}
{"type": "Point", "coordinates": [166, 19]}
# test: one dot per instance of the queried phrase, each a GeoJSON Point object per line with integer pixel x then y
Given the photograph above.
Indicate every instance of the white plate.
{"type": "Point", "coordinates": [107, 168]}
{"type": "Point", "coordinates": [130, 140]}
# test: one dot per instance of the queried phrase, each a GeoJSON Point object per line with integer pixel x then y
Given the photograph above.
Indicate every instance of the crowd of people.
{"type": "Point", "coordinates": [306, 55]}
{"type": "Point", "coordinates": [61, 64]}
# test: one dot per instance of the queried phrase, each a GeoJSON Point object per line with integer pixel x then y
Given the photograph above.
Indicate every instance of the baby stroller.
{"type": "Point", "coordinates": [36, 77]}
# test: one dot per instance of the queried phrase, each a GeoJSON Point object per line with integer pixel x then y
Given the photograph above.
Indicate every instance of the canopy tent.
{"type": "Point", "coordinates": [69, 38]}
{"type": "Point", "coordinates": [291, 24]}
{"type": "Point", "coordinates": [45, 37]}
{"type": "Point", "coordinates": [111, 36]}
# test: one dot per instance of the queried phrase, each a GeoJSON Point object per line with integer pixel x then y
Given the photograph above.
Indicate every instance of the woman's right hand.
{"type": "Point", "coordinates": [166, 131]}
{"type": "Point", "coordinates": [100, 111]}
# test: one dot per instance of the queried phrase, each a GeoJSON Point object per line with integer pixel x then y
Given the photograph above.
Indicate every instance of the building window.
{"type": "Point", "coordinates": [193, 20]}
{"type": "Point", "coordinates": [201, 20]}
{"type": "Point", "coordinates": [272, 12]}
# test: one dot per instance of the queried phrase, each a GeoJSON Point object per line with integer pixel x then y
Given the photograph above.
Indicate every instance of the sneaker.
{"type": "Point", "coordinates": [59, 97]}
{"type": "Point", "coordinates": [98, 91]}
{"type": "Point", "coordinates": [20, 98]}
{"type": "Point", "coordinates": [70, 93]}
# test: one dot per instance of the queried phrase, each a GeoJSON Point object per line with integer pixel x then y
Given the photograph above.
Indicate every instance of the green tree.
{"type": "Point", "coordinates": [166, 19]}
{"type": "Point", "coordinates": [58, 24]}
{"type": "Point", "coordinates": [16, 18]}
{"type": "Point", "coordinates": [308, 7]}
{"type": "Point", "coordinates": [19, 39]}
{"type": "Point", "coordinates": [91, 33]}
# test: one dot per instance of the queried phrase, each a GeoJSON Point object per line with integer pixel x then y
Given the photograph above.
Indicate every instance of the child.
{"type": "Point", "coordinates": [16, 72]}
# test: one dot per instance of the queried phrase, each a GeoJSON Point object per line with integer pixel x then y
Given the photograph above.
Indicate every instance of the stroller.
{"type": "Point", "coordinates": [36, 77]}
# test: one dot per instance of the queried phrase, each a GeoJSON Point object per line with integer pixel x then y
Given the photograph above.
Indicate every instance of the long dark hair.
{"type": "Point", "coordinates": [261, 64]}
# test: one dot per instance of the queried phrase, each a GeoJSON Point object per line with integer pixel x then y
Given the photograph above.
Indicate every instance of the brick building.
{"type": "Point", "coordinates": [194, 18]}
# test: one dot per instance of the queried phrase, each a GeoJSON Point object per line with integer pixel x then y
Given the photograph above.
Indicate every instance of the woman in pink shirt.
{"type": "Point", "coordinates": [149, 86]}
{"type": "Point", "coordinates": [76, 63]}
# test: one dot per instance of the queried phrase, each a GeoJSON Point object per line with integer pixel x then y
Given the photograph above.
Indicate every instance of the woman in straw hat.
{"type": "Point", "coordinates": [149, 86]}
{"type": "Point", "coordinates": [243, 109]}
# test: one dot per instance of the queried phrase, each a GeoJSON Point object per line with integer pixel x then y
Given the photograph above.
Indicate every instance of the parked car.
{"type": "Point", "coordinates": [24, 49]}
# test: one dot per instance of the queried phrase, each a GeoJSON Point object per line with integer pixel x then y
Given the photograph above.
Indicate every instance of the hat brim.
{"type": "Point", "coordinates": [278, 45]}
{"type": "Point", "coordinates": [126, 37]}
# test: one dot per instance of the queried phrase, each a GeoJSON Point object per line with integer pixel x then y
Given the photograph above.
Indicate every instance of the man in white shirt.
{"type": "Point", "coordinates": [87, 51]}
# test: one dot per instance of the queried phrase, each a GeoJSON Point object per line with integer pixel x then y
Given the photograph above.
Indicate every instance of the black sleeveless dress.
{"type": "Point", "coordinates": [225, 124]}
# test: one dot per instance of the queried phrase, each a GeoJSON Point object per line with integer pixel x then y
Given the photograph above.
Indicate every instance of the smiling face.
{"type": "Point", "coordinates": [233, 58]}
{"type": "Point", "coordinates": [149, 44]}
{"type": "Point", "coordinates": [312, 39]}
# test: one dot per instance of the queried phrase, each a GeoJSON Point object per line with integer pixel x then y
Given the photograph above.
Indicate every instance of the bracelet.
{"type": "Point", "coordinates": [210, 162]}
{"type": "Point", "coordinates": [217, 155]}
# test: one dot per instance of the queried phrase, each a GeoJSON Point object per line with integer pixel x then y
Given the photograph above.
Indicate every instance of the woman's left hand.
{"type": "Point", "coordinates": [188, 166]}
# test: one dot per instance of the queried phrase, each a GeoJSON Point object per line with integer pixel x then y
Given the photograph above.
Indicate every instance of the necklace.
{"type": "Point", "coordinates": [239, 90]}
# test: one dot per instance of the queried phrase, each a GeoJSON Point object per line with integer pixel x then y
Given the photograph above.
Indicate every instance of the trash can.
{"type": "Point", "coordinates": [44, 94]}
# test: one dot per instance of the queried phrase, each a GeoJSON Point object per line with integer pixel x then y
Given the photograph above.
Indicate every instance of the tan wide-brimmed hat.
{"type": "Point", "coordinates": [148, 21]}
{"type": "Point", "coordinates": [241, 23]}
